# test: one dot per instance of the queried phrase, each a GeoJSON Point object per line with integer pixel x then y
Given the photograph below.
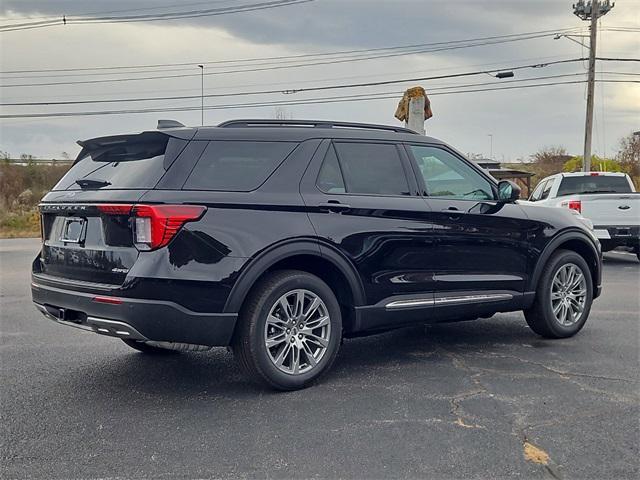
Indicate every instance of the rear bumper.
{"type": "Point", "coordinates": [135, 319]}
{"type": "Point", "coordinates": [618, 235]}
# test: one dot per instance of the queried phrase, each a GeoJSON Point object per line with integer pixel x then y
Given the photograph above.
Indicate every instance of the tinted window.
{"type": "Point", "coordinates": [128, 164]}
{"type": "Point", "coordinates": [594, 184]}
{"type": "Point", "coordinates": [330, 177]}
{"type": "Point", "coordinates": [237, 166]}
{"type": "Point", "coordinates": [372, 168]}
{"type": "Point", "coordinates": [447, 176]}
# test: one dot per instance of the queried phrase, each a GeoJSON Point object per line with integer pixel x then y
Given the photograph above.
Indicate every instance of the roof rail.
{"type": "Point", "coordinates": [312, 123]}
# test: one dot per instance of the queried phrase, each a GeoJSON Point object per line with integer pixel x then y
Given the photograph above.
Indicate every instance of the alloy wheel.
{"type": "Point", "coordinates": [297, 331]}
{"type": "Point", "coordinates": [568, 294]}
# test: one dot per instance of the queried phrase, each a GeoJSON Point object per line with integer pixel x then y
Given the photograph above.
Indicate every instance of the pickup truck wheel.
{"type": "Point", "coordinates": [563, 297]}
{"type": "Point", "coordinates": [289, 330]}
{"type": "Point", "coordinates": [146, 348]}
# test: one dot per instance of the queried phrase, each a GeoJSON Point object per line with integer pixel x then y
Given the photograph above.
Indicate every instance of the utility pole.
{"type": "Point", "coordinates": [590, 11]}
{"type": "Point", "coordinates": [201, 94]}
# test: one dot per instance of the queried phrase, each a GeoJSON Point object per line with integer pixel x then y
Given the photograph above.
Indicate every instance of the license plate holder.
{"type": "Point", "coordinates": [73, 230]}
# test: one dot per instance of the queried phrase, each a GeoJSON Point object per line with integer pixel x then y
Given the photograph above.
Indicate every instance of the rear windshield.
{"type": "Point", "coordinates": [236, 166]}
{"type": "Point", "coordinates": [593, 184]}
{"type": "Point", "coordinates": [127, 164]}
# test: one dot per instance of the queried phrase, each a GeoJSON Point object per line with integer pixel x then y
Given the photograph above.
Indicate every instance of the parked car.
{"type": "Point", "coordinates": [609, 200]}
{"type": "Point", "coordinates": [280, 238]}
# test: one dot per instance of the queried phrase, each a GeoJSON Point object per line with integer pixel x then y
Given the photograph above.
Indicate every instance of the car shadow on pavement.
{"type": "Point", "coordinates": [215, 373]}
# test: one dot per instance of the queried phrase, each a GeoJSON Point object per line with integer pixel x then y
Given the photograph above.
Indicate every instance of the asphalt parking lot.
{"type": "Point", "coordinates": [483, 399]}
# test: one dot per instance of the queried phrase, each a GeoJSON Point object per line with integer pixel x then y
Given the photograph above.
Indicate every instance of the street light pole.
{"type": "Point", "coordinates": [491, 145]}
{"type": "Point", "coordinates": [201, 94]}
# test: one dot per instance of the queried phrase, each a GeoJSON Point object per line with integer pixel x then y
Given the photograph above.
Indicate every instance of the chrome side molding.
{"type": "Point", "coordinates": [414, 302]}
{"type": "Point", "coordinates": [457, 300]}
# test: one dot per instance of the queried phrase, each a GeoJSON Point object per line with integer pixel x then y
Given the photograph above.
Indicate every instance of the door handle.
{"type": "Point", "coordinates": [335, 207]}
{"type": "Point", "coordinates": [454, 213]}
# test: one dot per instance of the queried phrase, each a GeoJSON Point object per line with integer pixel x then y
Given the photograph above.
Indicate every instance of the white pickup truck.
{"type": "Point", "coordinates": [609, 200]}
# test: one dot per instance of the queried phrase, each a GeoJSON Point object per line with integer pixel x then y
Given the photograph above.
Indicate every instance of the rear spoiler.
{"type": "Point", "coordinates": [100, 145]}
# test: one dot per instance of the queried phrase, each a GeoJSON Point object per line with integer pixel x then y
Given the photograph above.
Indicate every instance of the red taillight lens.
{"type": "Point", "coordinates": [115, 209]}
{"type": "Point", "coordinates": [156, 225]}
{"type": "Point", "coordinates": [575, 205]}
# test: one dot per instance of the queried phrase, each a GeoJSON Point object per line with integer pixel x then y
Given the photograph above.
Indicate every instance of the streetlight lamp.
{"type": "Point", "coordinates": [201, 94]}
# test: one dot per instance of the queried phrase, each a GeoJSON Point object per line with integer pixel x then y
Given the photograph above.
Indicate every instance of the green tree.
{"type": "Point", "coordinates": [597, 164]}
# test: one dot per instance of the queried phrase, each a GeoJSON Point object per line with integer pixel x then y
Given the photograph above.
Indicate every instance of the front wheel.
{"type": "Point", "coordinates": [563, 297]}
{"type": "Point", "coordinates": [289, 330]}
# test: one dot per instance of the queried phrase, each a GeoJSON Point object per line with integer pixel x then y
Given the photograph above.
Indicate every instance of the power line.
{"type": "Point", "coordinates": [298, 56]}
{"type": "Point", "coordinates": [164, 7]}
{"type": "Point", "coordinates": [262, 92]}
{"type": "Point", "coordinates": [288, 83]}
{"type": "Point", "coordinates": [152, 17]}
{"type": "Point", "coordinates": [320, 100]}
{"type": "Point", "coordinates": [396, 81]}
{"type": "Point", "coordinates": [276, 67]}
{"type": "Point", "coordinates": [330, 61]}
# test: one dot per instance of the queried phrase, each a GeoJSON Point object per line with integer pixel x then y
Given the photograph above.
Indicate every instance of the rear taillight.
{"type": "Point", "coordinates": [115, 209]}
{"type": "Point", "coordinates": [573, 205]}
{"type": "Point", "coordinates": [154, 225]}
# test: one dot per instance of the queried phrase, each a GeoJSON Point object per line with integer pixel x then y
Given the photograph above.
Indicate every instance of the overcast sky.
{"type": "Point", "coordinates": [520, 121]}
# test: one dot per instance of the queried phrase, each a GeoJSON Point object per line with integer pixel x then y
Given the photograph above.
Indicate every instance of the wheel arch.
{"type": "Point", "coordinates": [306, 255]}
{"type": "Point", "coordinates": [577, 242]}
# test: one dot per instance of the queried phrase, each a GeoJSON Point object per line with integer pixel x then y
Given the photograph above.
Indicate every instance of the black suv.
{"type": "Point", "coordinates": [280, 238]}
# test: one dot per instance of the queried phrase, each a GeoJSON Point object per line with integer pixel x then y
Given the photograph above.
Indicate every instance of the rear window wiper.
{"type": "Point", "coordinates": [89, 183]}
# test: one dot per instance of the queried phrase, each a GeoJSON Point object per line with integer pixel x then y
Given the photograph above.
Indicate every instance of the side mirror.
{"type": "Point", "coordinates": [508, 191]}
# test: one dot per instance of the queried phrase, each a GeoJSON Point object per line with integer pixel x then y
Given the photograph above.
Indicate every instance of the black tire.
{"type": "Point", "coordinates": [540, 316]}
{"type": "Point", "coordinates": [146, 348]}
{"type": "Point", "coordinates": [249, 346]}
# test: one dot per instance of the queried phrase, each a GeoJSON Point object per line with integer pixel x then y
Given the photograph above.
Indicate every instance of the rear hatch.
{"type": "Point", "coordinates": [86, 219]}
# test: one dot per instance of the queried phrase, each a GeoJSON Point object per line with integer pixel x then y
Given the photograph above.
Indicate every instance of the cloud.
{"type": "Point", "coordinates": [520, 120]}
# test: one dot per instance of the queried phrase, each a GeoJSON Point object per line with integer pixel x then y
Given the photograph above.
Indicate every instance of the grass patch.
{"type": "Point", "coordinates": [19, 224]}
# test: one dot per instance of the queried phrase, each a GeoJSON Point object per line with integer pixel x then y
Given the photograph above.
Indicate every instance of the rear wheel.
{"type": "Point", "coordinates": [144, 347]}
{"type": "Point", "coordinates": [563, 297]}
{"type": "Point", "coordinates": [289, 330]}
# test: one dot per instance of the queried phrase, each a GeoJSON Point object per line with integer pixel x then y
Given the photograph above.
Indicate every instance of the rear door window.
{"type": "Point", "coordinates": [237, 166]}
{"type": "Point", "coordinates": [127, 163]}
{"type": "Point", "coordinates": [368, 168]}
{"type": "Point", "coordinates": [593, 184]}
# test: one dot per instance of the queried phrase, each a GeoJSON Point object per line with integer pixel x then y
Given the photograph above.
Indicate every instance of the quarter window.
{"type": "Point", "coordinates": [237, 166]}
{"type": "Point", "coordinates": [330, 177]}
{"type": "Point", "coordinates": [369, 168]}
{"type": "Point", "coordinates": [447, 176]}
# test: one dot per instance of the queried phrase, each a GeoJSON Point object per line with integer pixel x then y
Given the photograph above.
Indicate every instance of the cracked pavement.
{"type": "Point", "coordinates": [483, 399]}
